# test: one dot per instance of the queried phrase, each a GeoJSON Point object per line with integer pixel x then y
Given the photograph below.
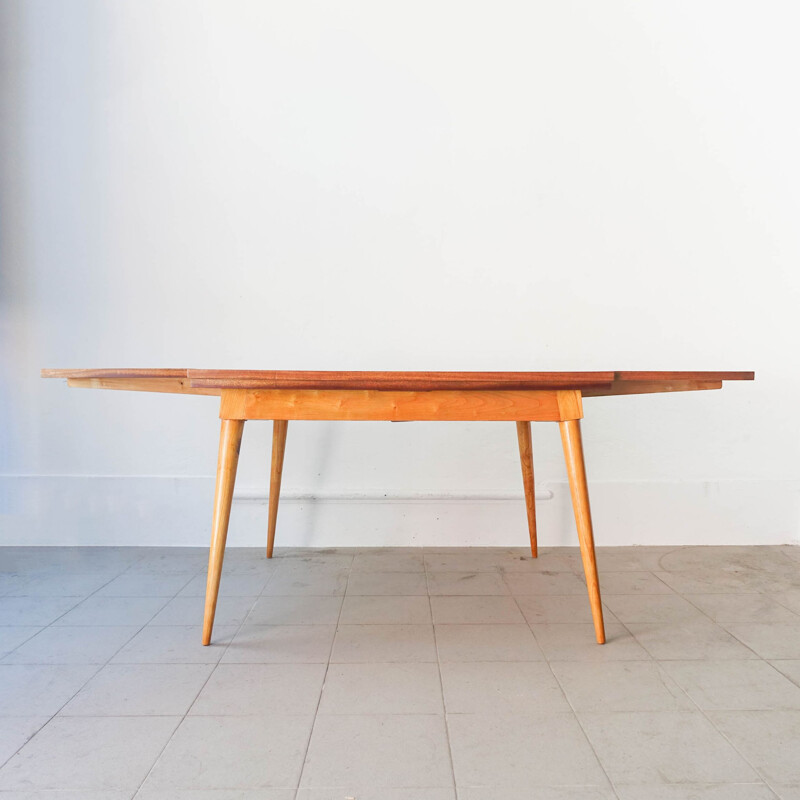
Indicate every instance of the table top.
{"type": "Point", "coordinates": [213, 381]}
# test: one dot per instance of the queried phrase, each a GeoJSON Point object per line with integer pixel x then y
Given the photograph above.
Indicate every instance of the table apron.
{"type": "Point", "coordinates": [540, 405]}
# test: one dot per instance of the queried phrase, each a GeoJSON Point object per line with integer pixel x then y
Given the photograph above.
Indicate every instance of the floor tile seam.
{"type": "Point", "coordinates": [569, 703]}
{"type": "Point", "coordinates": [322, 689]}
{"type": "Point", "coordinates": [715, 622]}
{"type": "Point", "coordinates": [791, 680]}
{"type": "Point", "coordinates": [783, 605]}
{"type": "Point", "coordinates": [6, 655]}
{"type": "Point", "coordinates": [727, 739]}
{"type": "Point", "coordinates": [724, 627]}
{"type": "Point", "coordinates": [636, 639]}
{"type": "Point", "coordinates": [55, 714]}
{"type": "Point", "coordinates": [99, 666]}
{"type": "Point", "coordinates": [444, 702]}
{"type": "Point", "coordinates": [183, 717]}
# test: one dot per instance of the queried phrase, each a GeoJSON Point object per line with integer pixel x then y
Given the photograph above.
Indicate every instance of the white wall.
{"type": "Point", "coordinates": [417, 185]}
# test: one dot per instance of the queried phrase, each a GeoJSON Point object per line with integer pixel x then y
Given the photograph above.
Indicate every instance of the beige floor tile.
{"type": "Point", "coordinates": [475, 610]}
{"type": "Point", "coordinates": [28, 690]}
{"type": "Point", "coordinates": [564, 642]}
{"type": "Point", "coordinates": [486, 643]}
{"type": "Point", "coordinates": [14, 732]}
{"type": "Point", "coordinates": [231, 610]}
{"type": "Point", "coordinates": [632, 582]}
{"type": "Point", "coordinates": [397, 751]}
{"type": "Point", "coordinates": [12, 636]}
{"type": "Point", "coordinates": [389, 562]}
{"type": "Point", "coordinates": [465, 562]}
{"type": "Point", "coordinates": [619, 686]}
{"type": "Point", "coordinates": [501, 687]}
{"type": "Point", "coordinates": [412, 688]}
{"type": "Point", "coordinates": [544, 583]}
{"type": "Point", "coordinates": [695, 791]}
{"type": "Point", "coordinates": [742, 608]}
{"type": "Point", "coordinates": [34, 611]}
{"type": "Point", "coordinates": [542, 793]}
{"type": "Point", "coordinates": [788, 667]}
{"type": "Point", "coordinates": [631, 559]}
{"type": "Point", "coordinates": [700, 639]}
{"type": "Point", "coordinates": [789, 599]}
{"type": "Point", "coordinates": [385, 610]}
{"type": "Point", "coordinates": [233, 753]}
{"type": "Point", "coordinates": [521, 750]}
{"type": "Point", "coordinates": [379, 793]}
{"type": "Point", "coordinates": [296, 610]}
{"type": "Point", "coordinates": [306, 581]}
{"type": "Point", "coordinates": [125, 690]}
{"type": "Point", "coordinates": [213, 794]}
{"type": "Point", "coordinates": [92, 753]}
{"type": "Point", "coordinates": [651, 608]}
{"type": "Point", "coordinates": [547, 561]}
{"type": "Point", "coordinates": [663, 747]}
{"type": "Point", "coordinates": [260, 689]}
{"type": "Point", "coordinates": [280, 644]}
{"type": "Point", "coordinates": [466, 583]}
{"type": "Point", "coordinates": [149, 585]}
{"type": "Point", "coordinates": [136, 611]}
{"type": "Point", "coordinates": [713, 581]}
{"type": "Point", "coordinates": [538, 608]}
{"type": "Point", "coordinates": [77, 645]}
{"type": "Point", "coordinates": [173, 645]}
{"type": "Point", "coordinates": [769, 640]}
{"type": "Point", "coordinates": [769, 740]}
{"type": "Point", "coordinates": [383, 643]}
{"type": "Point", "coordinates": [230, 586]}
{"type": "Point", "coordinates": [734, 685]}
{"type": "Point", "coordinates": [387, 583]}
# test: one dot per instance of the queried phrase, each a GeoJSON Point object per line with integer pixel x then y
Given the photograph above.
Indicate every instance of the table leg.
{"type": "Point", "coordinates": [230, 439]}
{"type": "Point", "coordinates": [573, 455]}
{"type": "Point", "coordinates": [279, 428]}
{"type": "Point", "coordinates": [526, 459]}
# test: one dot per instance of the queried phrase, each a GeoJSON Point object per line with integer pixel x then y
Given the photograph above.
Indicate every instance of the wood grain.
{"type": "Point", "coordinates": [230, 439]}
{"type": "Point", "coordinates": [279, 429]}
{"type": "Point", "coordinates": [167, 385]}
{"type": "Point", "coordinates": [401, 381]}
{"type": "Point", "coordinates": [369, 404]}
{"type": "Point", "coordinates": [204, 381]}
{"type": "Point", "coordinates": [526, 460]}
{"type": "Point", "coordinates": [576, 470]}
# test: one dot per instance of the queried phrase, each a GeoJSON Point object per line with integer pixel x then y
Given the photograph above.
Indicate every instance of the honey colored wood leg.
{"type": "Point", "coordinates": [526, 459]}
{"type": "Point", "coordinates": [573, 455]}
{"type": "Point", "coordinates": [279, 429]}
{"type": "Point", "coordinates": [230, 439]}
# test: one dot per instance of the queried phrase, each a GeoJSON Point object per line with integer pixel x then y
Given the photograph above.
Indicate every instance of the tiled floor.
{"type": "Point", "coordinates": [400, 675]}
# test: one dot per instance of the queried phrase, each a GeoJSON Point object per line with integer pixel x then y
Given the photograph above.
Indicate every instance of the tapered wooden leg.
{"type": "Point", "coordinates": [279, 428]}
{"type": "Point", "coordinates": [230, 438]}
{"type": "Point", "coordinates": [573, 455]}
{"type": "Point", "coordinates": [526, 459]}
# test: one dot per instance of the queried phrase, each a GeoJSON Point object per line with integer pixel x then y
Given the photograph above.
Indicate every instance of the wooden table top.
{"type": "Point", "coordinates": [213, 381]}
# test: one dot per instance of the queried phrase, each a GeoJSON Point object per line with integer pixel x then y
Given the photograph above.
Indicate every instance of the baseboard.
{"type": "Point", "coordinates": [87, 510]}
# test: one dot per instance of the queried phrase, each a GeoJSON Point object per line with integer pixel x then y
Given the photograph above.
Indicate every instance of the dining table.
{"type": "Point", "coordinates": [286, 395]}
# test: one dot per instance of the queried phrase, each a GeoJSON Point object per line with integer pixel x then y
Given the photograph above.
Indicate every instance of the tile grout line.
{"type": "Point", "coordinates": [567, 700]}
{"type": "Point", "coordinates": [324, 679]}
{"type": "Point", "coordinates": [691, 699]}
{"type": "Point", "coordinates": [94, 674]}
{"type": "Point", "coordinates": [199, 691]}
{"type": "Point", "coordinates": [441, 681]}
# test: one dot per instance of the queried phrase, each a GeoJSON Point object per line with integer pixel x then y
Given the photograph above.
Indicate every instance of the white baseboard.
{"type": "Point", "coordinates": [87, 510]}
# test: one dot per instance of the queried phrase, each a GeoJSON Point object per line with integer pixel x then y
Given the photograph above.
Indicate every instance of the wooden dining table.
{"type": "Point", "coordinates": [284, 395]}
